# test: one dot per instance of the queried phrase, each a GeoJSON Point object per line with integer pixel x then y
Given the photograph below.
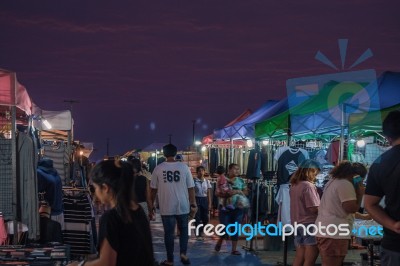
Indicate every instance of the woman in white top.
{"type": "Point", "coordinates": [340, 200]}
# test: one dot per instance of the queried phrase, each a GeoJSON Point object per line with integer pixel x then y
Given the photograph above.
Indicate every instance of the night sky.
{"type": "Point", "coordinates": [141, 70]}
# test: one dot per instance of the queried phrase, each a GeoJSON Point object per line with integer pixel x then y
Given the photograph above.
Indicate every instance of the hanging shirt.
{"type": "Point", "coordinates": [288, 159]}
{"type": "Point", "coordinates": [3, 231]}
{"type": "Point", "coordinates": [332, 154]}
{"type": "Point", "coordinates": [254, 164]}
{"type": "Point", "coordinates": [50, 182]}
{"type": "Point", "coordinates": [283, 199]}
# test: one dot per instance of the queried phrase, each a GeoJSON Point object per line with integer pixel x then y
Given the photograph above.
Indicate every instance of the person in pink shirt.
{"type": "Point", "coordinates": [304, 202]}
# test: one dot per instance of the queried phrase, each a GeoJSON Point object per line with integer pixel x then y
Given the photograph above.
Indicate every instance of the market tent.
{"type": "Point", "coordinates": [244, 129]}
{"type": "Point", "coordinates": [316, 115]}
{"type": "Point", "coordinates": [88, 148]}
{"type": "Point", "coordinates": [154, 146]}
{"type": "Point", "coordinates": [12, 93]}
{"type": "Point", "coordinates": [15, 108]}
{"type": "Point", "coordinates": [388, 93]}
{"type": "Point", "coordinates": [59, 120]}
{"type": "Point", "coordinates": [211, 139]}
{"type": "Point", "coordinates": [53, 125]}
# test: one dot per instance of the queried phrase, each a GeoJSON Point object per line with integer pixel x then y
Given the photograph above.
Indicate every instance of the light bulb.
{"type": "Point", "coordinates": [360, 143]}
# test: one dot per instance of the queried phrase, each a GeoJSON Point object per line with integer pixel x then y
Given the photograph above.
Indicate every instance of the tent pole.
{"type": "Point", "coordinates": [289, 132]}
{"type": "Point", "coordinates": [342, 125]}
{"type": "Point", "coordinates": [15, 178]}
{"type": "Point", "coordinates": [231, 159]}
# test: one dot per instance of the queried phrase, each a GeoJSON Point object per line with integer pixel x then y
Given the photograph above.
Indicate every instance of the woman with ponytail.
{"type": "Point", "coordinates": [124, 233]}
{"type": "Point", "coordinates": [304, 202]}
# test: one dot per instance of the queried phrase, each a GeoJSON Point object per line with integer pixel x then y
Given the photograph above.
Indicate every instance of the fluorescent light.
{"type": "Point", "coordinates": [249, 143]}
{"type": "Point", "coordinates": [47, 124]}
{"type": "Point", "coordinates": [203, 148]}
{"type": "Point", "coordinates": [360, 143]}
{"type": "Point", "coordinates": [265, 142]}
{"type": "Point", "coordinates": [197, 143]}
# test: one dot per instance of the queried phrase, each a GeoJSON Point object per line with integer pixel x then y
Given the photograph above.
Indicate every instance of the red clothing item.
{"type": "Point", "coordinates": [3, 232]}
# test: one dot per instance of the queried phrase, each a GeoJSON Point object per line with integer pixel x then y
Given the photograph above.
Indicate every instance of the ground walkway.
{"type": "Point", "coordinates": [202, 252]}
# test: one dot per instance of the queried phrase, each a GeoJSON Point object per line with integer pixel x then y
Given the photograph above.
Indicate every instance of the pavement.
{"type": "Point", "coordinates": [252, 253]}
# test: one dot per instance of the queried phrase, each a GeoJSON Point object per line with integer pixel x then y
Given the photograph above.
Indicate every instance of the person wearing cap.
{"type": "Point", "coordinates": [340, 200]}
{"type": "Point", "coordinates": [173, 182]}
{"type": "Point", "coordinates": [304, 202]}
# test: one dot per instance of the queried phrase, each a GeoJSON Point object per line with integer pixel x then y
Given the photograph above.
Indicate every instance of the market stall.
{"type": "Point", "coordinates": [223, 151]}
{"type": "Point", "coordinates": [56, 138]}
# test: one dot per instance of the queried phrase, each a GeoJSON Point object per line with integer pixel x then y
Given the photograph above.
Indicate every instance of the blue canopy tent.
{"type": "Point", "coordinates": [211, 140]}
{"type": "Point", "coordinates": [244, 129]}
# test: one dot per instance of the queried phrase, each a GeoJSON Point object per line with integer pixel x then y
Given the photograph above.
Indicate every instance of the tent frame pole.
{"type": "Point", "coordinates": [342, 133]}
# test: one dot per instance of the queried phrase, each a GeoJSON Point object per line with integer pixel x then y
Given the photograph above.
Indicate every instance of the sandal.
{"type": "Point", "coordinates": [236, 253]}
{"type": "Point", "coordinates": [217, 247]}
{"type": "Point", "coordinates": [166, 263]}
{"type": "Point", "coordinates": [185, 260]}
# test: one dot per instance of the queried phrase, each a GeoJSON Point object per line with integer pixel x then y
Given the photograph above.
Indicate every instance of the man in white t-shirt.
{"type": "Point", "coordinates": [173, 183]}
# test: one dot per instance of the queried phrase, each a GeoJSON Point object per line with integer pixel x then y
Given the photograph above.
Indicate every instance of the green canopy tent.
{"type": "Point", "coordinates": [388, 93]}
{"type": "Point", "coordinates": [365, 124]}
{"type": "Point", "coordinates": [316, 109]}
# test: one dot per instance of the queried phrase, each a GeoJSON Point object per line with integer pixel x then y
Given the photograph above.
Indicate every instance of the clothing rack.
{"type": "Point", "coordinates": [255, 186]}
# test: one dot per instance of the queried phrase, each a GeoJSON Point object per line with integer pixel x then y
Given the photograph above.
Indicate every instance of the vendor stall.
{"type": "Point", "coordinates": [18, 155]}
{"type": "Point", "coordinates": [223, 151]}
{"type": "Point", "coordinates": [56, 136]}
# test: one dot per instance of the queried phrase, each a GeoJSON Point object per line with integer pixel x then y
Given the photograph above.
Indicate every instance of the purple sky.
{"type": "Point", "coordinates": [170, 62]}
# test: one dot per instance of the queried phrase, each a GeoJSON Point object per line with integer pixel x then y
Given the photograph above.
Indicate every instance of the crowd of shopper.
{"type": "Point", "coordinates": [124, 230]}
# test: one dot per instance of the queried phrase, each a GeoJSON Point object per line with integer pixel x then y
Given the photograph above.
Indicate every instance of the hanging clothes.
{"type": "Point", "coordinates": [283, 200]}
{"type": "Point", "coordinates": [50, 182]}
{"type": "Point", "coordinates": [213, 153]}
{"type": "Point", "coordinates": [78, 214]}
{"type": "Point", "coordinates": [254, 164]}
{"type": "Point", "coordinates": [59, 154]}
{"type": "Point", "coordinates": [288, 159]}
{"type": "Point", "coordinates": [3, 231]}
{"type": "Point", "coordinates": [332, 154]}
{"type": "Point", "coordinates": [27, 158]}
{"type": "Point", "coordinates": [6, 179]}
